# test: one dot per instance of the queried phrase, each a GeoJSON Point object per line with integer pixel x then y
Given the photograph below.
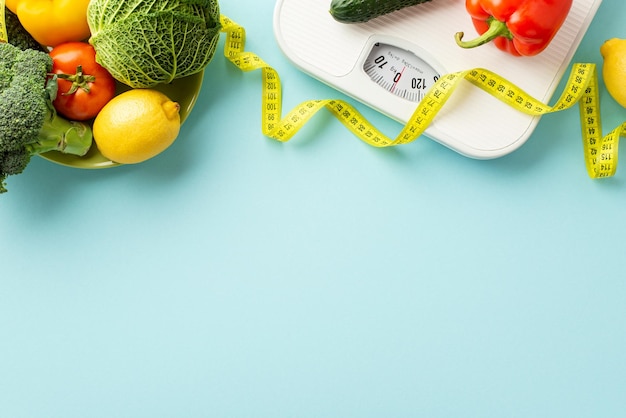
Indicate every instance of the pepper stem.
{"type": "Point", "coordinates": [496, 28]}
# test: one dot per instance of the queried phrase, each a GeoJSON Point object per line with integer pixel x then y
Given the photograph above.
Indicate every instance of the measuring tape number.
{"type": "Point", "coordinates": [582, 88]}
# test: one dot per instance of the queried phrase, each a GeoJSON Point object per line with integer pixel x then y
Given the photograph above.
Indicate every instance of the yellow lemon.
{"type": "Point", "coordinates": [613, 52]}
{"type": "Point", "coordinates": [136, 125]}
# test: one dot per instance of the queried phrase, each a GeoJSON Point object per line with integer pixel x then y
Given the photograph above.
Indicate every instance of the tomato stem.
{"type": "Point", "coordinates": [79, 80]}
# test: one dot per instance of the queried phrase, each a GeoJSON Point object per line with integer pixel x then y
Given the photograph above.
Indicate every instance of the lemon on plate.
{"type": "Point", "coordinates": [613, 53]}
{"type": "Point", "coordinates": [136, 125]}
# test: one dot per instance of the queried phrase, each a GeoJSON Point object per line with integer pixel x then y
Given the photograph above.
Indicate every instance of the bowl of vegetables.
{"type": "Point", "coordinates": [162, 45]}
{"type": "Point", "coordinates": [184, 91]}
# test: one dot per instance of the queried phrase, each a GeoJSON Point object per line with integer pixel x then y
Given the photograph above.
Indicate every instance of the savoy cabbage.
{"type": "Point", "coordinates": [147, 42]}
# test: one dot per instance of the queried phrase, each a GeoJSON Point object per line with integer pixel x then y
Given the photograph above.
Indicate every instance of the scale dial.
{"type": "Point", "coordinates": [399, 71]}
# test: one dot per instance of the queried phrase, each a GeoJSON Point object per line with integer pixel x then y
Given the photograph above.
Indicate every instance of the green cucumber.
{"type": "Point", "coordinates": [357, 11]}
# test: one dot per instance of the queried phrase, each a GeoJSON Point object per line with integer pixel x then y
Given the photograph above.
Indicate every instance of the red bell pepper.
{"type": "Point", "coordinates": [520, 27]}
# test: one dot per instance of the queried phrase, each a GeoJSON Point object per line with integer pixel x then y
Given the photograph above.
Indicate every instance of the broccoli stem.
{"type": "Point", "coordinates": [59, 134]}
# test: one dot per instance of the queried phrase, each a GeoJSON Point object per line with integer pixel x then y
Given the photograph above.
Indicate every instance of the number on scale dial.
{"type": "Point", "coordinates": [399, 71]}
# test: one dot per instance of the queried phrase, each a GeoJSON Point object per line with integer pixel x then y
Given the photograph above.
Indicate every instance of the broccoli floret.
{"type": "Point", "coordinates": [16, 33]}
{"type": "Point", "coordinates": [28, 123]}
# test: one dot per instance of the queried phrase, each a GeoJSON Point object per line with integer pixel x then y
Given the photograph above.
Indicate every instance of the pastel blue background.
{"type": "Point", "coordinates": [233, 276]}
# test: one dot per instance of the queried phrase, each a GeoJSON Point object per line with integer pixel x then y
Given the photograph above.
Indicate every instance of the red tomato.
{"type": "Point", "coordinates": [84, 85]}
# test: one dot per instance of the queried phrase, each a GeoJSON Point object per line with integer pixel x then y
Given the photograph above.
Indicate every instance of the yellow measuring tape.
{"type": "Point", "coordinates": [4, 37]}
{"type": "Point", "coordinates": [600, 151]}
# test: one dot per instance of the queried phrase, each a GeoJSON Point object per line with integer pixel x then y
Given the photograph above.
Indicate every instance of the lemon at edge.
{"type": "Point", "coordinates": [613, 52]}
{"type": "Point", "coordinates": [136, 125]}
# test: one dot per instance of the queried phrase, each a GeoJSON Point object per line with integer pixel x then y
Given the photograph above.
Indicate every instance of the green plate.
{"type": "Point", "coordinates": [184, 91]}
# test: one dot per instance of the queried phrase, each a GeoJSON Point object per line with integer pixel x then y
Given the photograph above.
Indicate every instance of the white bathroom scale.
{"type": "Point", "coordinates": [357, 59]}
